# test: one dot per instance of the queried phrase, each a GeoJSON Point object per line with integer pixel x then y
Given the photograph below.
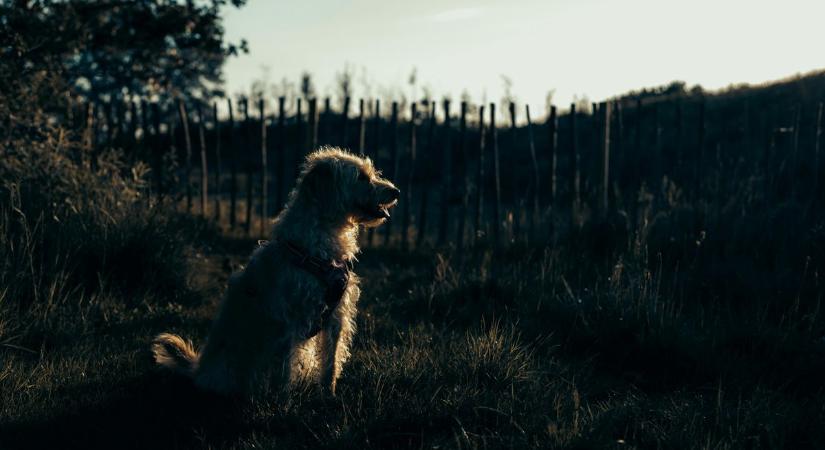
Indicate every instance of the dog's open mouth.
{"type": "Point", "coordinates": [381, 210]}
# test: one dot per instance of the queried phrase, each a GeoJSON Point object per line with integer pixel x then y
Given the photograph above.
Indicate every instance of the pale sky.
{"type": "Point", "coordinates": [597, 48]}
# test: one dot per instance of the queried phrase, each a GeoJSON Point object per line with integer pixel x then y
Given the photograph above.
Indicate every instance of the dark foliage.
{"type": "Point", "coordinates": [112, 50]}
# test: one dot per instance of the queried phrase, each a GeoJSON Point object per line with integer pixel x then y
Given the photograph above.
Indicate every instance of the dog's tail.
{"type": "Point", "coordinates": [174, 353]}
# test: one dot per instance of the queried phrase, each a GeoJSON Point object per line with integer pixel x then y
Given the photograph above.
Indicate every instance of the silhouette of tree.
{"type": "Point", "coordinates": [307, 87]}
{"type": "Point", "coordinates": [343, 81]}
{"type": "Point", "coordinates": [111, 49]}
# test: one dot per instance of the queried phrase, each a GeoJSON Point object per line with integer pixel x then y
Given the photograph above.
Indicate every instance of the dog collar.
{"type": "Point", "coordinates": [332, 273]}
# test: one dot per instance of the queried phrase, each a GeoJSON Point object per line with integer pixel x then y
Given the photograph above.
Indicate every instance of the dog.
{"type": "Point", "coordinates": [290, 313]}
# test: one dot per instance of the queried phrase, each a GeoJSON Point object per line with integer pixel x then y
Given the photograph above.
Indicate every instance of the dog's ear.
{"type": "Point", "coordinates": [318, 180]}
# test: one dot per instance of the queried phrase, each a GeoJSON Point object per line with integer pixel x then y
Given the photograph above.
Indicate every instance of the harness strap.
{"type": "Point", "coordinates": [331, 273]}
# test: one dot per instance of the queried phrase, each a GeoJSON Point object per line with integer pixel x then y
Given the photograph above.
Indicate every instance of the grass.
{"type": "Point", "coordinates": [700, 327]}
{"type": "Point", "coordinates": [454, 351]}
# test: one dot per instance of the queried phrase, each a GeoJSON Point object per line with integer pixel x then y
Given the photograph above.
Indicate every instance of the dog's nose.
{"type": "Point", "coordinates": [395, 193]}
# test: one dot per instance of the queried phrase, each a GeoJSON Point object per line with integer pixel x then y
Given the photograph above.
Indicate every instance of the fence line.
{"type": "Point", "coordinates": [478, 223]}
{"type": "Point", "coordinates": [233, 167]}
{"type": "Point", "coordinates": [497, 175]}
{"type": "Point", "coordinates": [425, 160]}
{"type": "Point", "coordinates": [407, 204]}
{"type": "Point", "coordinates": [533, 213]}
{"type": "Point", "coordinates": [463, 176]}
{"type": "Point", "coordinates": [247, 158]}
{"type": "Point", "coordinates": [446, 170]}
{"type": "Point", "coordinates": [264, 169]}
{"type": "Point", "coordinates": [584, 160]}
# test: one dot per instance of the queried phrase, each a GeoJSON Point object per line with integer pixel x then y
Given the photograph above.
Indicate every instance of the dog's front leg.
{"type": "Point", "coordinates": [330, 340]}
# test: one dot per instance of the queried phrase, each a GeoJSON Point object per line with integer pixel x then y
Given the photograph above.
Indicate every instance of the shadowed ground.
{"type": "Point", "coordinates": [519, 348]}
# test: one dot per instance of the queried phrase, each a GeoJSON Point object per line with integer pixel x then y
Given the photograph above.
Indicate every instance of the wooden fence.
{"type": "Point", "coordinates": [580, 165]}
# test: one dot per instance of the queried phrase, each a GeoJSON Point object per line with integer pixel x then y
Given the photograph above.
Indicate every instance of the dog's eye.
{"type": "Point", "coordinates": [362, 176]}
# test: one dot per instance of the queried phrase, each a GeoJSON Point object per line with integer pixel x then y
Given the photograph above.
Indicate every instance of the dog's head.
{"type": "Point", "coordinates": [346, 187]}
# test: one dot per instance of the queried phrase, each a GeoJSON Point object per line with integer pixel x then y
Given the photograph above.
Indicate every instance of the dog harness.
{"type": "Point", "coordinates": [333, 274]}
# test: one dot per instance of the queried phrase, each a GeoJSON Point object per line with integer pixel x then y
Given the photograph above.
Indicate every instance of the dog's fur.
{"type": "Point", "coordinates": [269, 306]}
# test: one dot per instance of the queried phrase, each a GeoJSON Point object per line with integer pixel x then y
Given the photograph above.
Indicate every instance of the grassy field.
{"type": "Point", "coordinates": [698, 325]}
{"type": "Point", "coordinates": [687, 314]}
{"type": "Point", "coordinates": [543, 347]}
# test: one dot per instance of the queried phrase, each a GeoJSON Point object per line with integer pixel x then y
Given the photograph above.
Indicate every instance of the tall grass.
{"type": "Point", "coordinates": [75, 230]}
{"type": "Point", "coordinates": [696, 324]}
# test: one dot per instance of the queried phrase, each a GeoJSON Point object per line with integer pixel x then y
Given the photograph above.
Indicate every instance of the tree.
{"type": "Point", "coordinates": [343, 82]}
{"type": "Point", "coordinates": [261, 85]}
{"type": "Point", "coordinates": [548, 101]}
{"type": "Point", "coordinates": [307, 87]}
{"type": "Point", "coordinates": [114, 49]}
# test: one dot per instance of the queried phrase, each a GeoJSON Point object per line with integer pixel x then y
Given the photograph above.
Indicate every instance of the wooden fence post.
{"type": "Point", "coordinates": [405, 224]}
{"type": "Point", "coordinates": [767, 157]}
{"type": "Point", "coordinates": [313, 124]}
{"type": "Point", "coordinates": [280, 156]}
{"type": "Point", "coordinates": [446, 180]}
{"type": "Point", "coordinates": [617, 142]}
{"type": "Point", "coordinates": [793, 163]}
{"type": "Point", "coordinates": [204, 171]}
{"type": "Point", "coordinates": [553, 144]}
{"type": "Point", "coordinates": [479, 185]}
{"type": "Point", "coordinates": [700, 151]}
{"type": "Point", "coordinates": [817, 143]}
{"type": "Point", "coordinates": [217, 183]}
{"type": "Point", "coordinates": [604, 110]}
{"type": "Point", "coordinates": [678, 145]}
{"type": "Point", "coordinates": [394, 141]}
{"type": "Point", "coordinates": [184, 119]}
{"type": "Point", "coordinates": [575, 161]}
{"type": "Point", "coordinates": [362, 129]}
{"type": "Point", "coordinates": [745, 143]}
{"type": "Point", "coordinates": [248, 160]}
{"type": "Point", "coordinates": [376, 143]}
{"type": "Point", "coordinates": [635, 160]}
{"type": "Point", "coordinates": [517, 201]}
{"type": "Point", "coordinates": [463, 174]}
{"type": "Point", "coordinates": [233, 167]}
{"type": "Point", "coordinates": [596, 131]}
{"type": "Point", "coordinates": [326, 134]}
{"type": "Point", "coordinates": [497, 174]}
{"type": "Point", "coordinates": [425, 191]}
{"type": "Point", "coordinates": [393, 163]}
{"type": "Point", "coordinates": [300, 153]}
{"type": "Point", "coordinates": [344, 123]}
{"type": "Point", "coordinates": [534, 189]}
{"type": "Point", "coordinates": [264, 169]}
{"type": "Point", "coordinates": [376, 135]}
{"type": "Point", "coordinates": [658, 144]}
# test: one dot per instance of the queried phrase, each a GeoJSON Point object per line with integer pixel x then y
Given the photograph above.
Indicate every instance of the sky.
{"type": "Point", "coordinates": [575, 48]}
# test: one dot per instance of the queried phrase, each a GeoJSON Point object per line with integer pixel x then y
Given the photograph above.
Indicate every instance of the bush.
{"type": "Point", "coordinates": [73, 232]}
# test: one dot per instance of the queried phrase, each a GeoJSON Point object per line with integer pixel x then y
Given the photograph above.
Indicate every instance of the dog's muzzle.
{"type": "Point", "coordinates": [382, 209]}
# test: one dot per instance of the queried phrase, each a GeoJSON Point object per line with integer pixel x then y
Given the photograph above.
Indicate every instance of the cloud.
{"type": "Point", "coordinates": [455, 15]}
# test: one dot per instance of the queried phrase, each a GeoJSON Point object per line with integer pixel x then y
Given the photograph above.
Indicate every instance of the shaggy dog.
{"type": "Point", "coordinates": [291, 312]}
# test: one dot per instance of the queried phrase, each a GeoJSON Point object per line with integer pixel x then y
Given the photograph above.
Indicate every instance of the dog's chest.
{"type": "Point", "coordinates": [333, 289]}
